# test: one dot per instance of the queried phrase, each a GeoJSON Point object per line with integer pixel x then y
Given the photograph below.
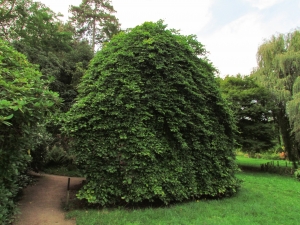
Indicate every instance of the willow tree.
{"type": "Point", "coordinates": [150, 123]}
{"type": "Point", "coordinates": [94, 21]}
{"type": "Point", "coordinates": [279, 70]}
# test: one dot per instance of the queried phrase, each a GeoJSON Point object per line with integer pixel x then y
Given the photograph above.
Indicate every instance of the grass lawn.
{"type": "Point", "coordinates": [253, 162]}
{"type": "Point", "coordinates": [263, 199]}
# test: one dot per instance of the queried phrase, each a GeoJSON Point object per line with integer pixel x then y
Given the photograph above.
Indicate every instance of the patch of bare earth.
{"type": "Point", "coordinates": [42, 203]}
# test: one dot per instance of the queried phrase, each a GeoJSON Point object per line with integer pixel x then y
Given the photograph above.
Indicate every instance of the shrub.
{"type": "Point", "coordinates": [43, 140]}
{"type": "Point", "coordinates": [149, 122]}
{"type": "Point", "coordinates": [297, 174]}
{"type": "Point", "coordinates": [57, 156]}
{"type": "Point", "coordinates": [271, 155]}
{"type": "Point", "coordinates": [24, 102]}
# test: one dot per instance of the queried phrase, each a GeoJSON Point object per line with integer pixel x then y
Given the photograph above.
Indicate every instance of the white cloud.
{"type": "Point", "coordinates": [189, 16]}
{"type": "Point", "coordinates": [60, 6]}
{"type": "Point", "coordinates": [262, 4]}
{"type": "Point", "coordinates": [233, 47]}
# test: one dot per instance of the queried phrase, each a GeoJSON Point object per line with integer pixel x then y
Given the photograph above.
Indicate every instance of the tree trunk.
{"type": "Point", "coordinates": [287, 138]}
{"type": "Point", "coordinates": [94, 34]}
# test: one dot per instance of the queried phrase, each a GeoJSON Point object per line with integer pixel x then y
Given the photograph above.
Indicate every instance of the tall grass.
{"type": "Point", "coordinates": [263, 199]}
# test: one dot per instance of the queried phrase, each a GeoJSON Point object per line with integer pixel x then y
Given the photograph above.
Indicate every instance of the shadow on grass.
{"type": "Point", "coordinates": [77, 204]}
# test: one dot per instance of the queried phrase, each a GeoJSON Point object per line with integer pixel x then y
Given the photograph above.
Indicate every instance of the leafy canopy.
{"type": "Point", "coordinates": [253, 109]}
{"type": "Point", "coordinates": [37, 32]}
{"type": "Point", "coordinates": [33, 23]}
{"type": "Point", "coordinates": [150, 124]}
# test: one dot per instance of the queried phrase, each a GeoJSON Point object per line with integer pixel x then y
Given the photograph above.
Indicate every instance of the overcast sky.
{"type": "Point", "coordinates": [231, 30]}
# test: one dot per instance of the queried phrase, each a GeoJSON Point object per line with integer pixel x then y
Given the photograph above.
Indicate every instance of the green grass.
{"type": "Point", "coordinates": [254, 162]}
{"type": "Point", "coordinates": [263, 199]}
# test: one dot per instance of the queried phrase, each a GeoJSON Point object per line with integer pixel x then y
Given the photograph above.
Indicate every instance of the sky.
{"type": "Point", "coordinates": [230, 30]}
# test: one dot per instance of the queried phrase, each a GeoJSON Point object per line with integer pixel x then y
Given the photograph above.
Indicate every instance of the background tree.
{"type": "Point", "coordinates": [25, 100]}
{"type": "Point", "coordinates": [38, 34]}
{"type": "Point", "coordinates": [26, 19]}
{"type": "Point", "coordinates": [36, 31]}
{"type": "Point", "coordinates": [278, 70]}
{"type": "Point", "coordinates": [48, 42]}
{"type": "Point", "coordinates": [253, 109]}
{"type": "Point", "coordinates": [150, 123]}
{"type": "Point", "coordinates": [7, 16]}
{"type": "Point", "coordinates": [94, 21]}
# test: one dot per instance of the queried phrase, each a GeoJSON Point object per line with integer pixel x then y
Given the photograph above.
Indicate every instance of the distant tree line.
{"type": "Point", "coordinates": [266, 103]}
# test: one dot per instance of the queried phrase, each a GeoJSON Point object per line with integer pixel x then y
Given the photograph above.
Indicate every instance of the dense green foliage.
{"type": "Point", "coordinates": [37, 32]}
{"type": "Point", "coordinates": [64, 68]}
{"type": "Point", "coordinates": [150, 123]}
{"type": "Point", "coordinates": [278, 70]}
{"type": "Point", "coordinates": [263, 199]}
{"type": "Point", "coordinates": [33, 23]}
{"type": "Point", "coordinates": [253, 112]}
{"type": "Point", "coordinates": [24, 102]}
{"type": "Point", "coordinates": [45, 40]}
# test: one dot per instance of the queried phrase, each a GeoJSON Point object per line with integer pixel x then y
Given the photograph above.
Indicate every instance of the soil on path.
{"type": "Point", "coordinates": [42, 203]}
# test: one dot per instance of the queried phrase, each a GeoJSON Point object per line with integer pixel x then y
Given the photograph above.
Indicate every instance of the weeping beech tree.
{"type": "Point", "coordinates": [279, 70]}
{"type": "Point", "coordinates": [150, 124]}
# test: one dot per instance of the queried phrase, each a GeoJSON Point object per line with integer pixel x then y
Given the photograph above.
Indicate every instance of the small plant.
{"type": "Point", "coordinates": [60, 162]}
{"type": "Point", "coordinates": [57, 156]}
{"type": "Point", "coordinates": [271, 155]}
{"type": "Point", "coordinates": [297, 174]}
{"type": "Point", "coordinates": [257, 155]}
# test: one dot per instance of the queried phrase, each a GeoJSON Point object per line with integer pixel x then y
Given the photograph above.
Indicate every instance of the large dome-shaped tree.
{"type": "Point", "coordinates": [150, 123]}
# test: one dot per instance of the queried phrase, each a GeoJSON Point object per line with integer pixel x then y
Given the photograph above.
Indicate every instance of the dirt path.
{"type": "Point", "coordinates": [41, 203]}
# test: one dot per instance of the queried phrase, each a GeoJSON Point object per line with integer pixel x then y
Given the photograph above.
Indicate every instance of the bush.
{"type": "Point", "coordinates": [297, 174]}
{"type": "Point", "coordinates": [57, 156]}
{"type": "Point", "coordinates": [149, 122]}
{"type": "Point", "coordinates": [24, 102]}
{"type": "Point", "coordinates": [271, 156]}
{"type": "Point", "coordinates": [43, 140]}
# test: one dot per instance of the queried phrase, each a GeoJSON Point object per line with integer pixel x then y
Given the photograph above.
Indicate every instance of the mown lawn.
{"type": "Point", "coordinates": [263, 199]}
{"type": "Point", "coordinates": [253, 162]}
